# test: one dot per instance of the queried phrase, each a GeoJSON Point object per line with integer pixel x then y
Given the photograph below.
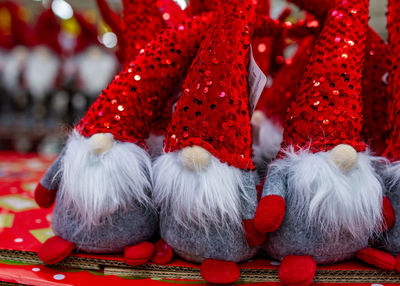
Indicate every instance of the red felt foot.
{"type": "Point", "coordinates": [138, 254]}
{"type": "Point", "coordinates": [55, 249]}
{"type": "Point", "coordinates": [378, 258]}
{"type": "Point", "coordinates": [269, 214]}
{"type": "Point", "coordinates": [219, 272]}
{"type": "Point", "coordinates": [397, 267]}
{"type": "Point", "coordinates": [43, 197]}
{"type": "Point", "coordinates": [297, 270]}
{"type": "Point", "coordinates": [254, 238]}
{"type": "Point", "coordinates": [388, 214]}
{"type": "Point", "coordinates": [163, 253]}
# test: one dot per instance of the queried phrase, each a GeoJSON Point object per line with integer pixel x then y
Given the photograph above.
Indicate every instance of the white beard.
{"type": "Point", "coordinates": [42, 68]}
{"type": "Point", "coordinates": [96, 69]}
{"type": "Point", "coordinates": [204, 198]}
{"type": "Point", "coordinates": [334, 201]}
{"type": "Point", "coordinates": [96, 186]}
{"type": "Point", "coordinates": [12, 69]}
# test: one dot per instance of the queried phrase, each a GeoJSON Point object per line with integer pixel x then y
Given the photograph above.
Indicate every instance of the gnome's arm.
{"type": "Point", "coordinates": [249, 206]}
{"type": "Point", "coordinates": [46, 190]}
{"type": "Point", "coordinates": [271, 209]}
{"type": "Point", "coordinates": [388, 214]}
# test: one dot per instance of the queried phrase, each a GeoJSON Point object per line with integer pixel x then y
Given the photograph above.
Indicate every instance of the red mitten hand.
{"type": "Point", "coordinates": [388, 214]}
{"type": "Point", "coordinates": [269, 214]}
{"type": "Point", "coordinates": [43, 197]}
{"type": "Point", "coordinates": [254, 238]}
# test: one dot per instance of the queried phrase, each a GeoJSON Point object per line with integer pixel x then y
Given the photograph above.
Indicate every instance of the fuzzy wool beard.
{"type": "Point", "coordinates": [41, 71]}
{"type": "Point", "coordinates": [96, 69]}
{"type": "Point", "coordinates": [96, 186]}
{"type": "Point", "coordinates": [333, 201]}
{"type": "Point", "coordinates": [209, 198]}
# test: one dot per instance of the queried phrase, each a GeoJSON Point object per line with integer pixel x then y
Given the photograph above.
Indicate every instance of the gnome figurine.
{"type": "Point", "coordinates": [43, 65]}
{"type": "Point", "coordinates": [391, 240]}
{"type": "Point", "coordinates": [322, 199]}
{"type": "Point", "coordinates": [203, 184]}
{"type": "Point", "coordinates": [102, 181]}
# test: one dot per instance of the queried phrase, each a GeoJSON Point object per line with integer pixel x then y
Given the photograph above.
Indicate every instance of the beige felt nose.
{"type": "Point", "coordinates": [344, 156]}
{"type": "Point", "coordinates": [195, 158]}
{"type": "Point", "coordinates": [257, 118]}
{"type": "Point", "coordinates": [100, 143]}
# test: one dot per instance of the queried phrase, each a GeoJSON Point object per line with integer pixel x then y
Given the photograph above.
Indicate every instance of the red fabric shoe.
{"type": "Point", "coordinates": [297, 270]}
{"type": "Point", "coordinates": [139, 254]}
{"type": "Point", "coordinates": [55, 249]}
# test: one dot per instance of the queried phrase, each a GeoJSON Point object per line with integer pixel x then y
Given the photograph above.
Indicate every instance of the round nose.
{"type": "Point", "coordinates": [195, 158]}
{"type": "Point", "coordinates": [100, 143]}
{"type": "Point", "coordinates": [257, 118]}
{"type": "Point", "coordinates": [344, 156]}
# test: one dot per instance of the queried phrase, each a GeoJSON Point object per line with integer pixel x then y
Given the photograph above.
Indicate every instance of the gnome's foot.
{"type": "Point", "coordinates": [378, 258]}
{"type": "Point", "coordinates": [397, 267]}
{"type": "Point", "coordinates": [163, 253]}
{"type": "Point", "coordinates": [55, 249]}
{"type": "Point", "coordinates": [297, 270]}
{"type": "Point", "coordinates": [138, 254]}
{"type": "Point", "coordinates": [219, 272]}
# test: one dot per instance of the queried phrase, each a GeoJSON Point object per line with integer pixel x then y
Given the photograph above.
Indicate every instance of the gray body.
{"type": "Point", "coordinates": [122, 228]}
{"type": "Point", "coordinates": [391, 238]}
{"type": "Point", "coordinates": [195, 245]}
{"type": "Point", "coordinates": [294, 238]}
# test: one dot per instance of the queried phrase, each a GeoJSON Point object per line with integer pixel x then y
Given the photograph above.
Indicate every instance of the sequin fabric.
{"type": "Point", "coordinates": [142, 21]}
{"type": "Point", "coordinates": [275, 101]}
{"type": "Point", "coordinates": [213, 110]}
{"type": "Point", "coordinates": [392, 151]}
{"type": "Point", "coordinates": [375, 95]}
{"type": "Point", "coordinates": [376, 126]}
{"type": "Point", "coordinates": [328, 109]}
{"type": "Point", "coordinates": [139, 94]}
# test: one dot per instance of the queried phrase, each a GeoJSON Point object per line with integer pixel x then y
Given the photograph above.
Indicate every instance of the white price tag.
{"type": "Point", "coordinates": [256, 81]}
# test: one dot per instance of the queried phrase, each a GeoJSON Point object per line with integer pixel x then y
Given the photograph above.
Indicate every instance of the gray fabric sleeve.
{"type": "Point", "coordinates": [52, 178]}
{"type": "Point", "coordinates": [248, 195]}
{"type": "Point", "coordinates": [275, 184]}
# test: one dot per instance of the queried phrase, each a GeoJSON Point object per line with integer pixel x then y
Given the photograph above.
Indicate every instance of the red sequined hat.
{"type": "Point", "coordinates": [138, 95]}
{"type": "Point", "coordinates": [328, 108]}
{"type": "Point", "coordinates": [376, 127]}
{"type": "Point", "coordinates": [213, 111]}
{"type": "Point", "coordinates": [47, 30]}
{"type": "Point", "coordinates": [393, 24]}
{"type": "Point", "coordinates": [142, 21]}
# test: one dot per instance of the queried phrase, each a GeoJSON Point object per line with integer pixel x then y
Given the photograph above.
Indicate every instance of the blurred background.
{"type": "Point", "coordinates": [55, 58]}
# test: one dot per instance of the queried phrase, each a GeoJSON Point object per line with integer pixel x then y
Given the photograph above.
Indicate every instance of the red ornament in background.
{"type": "Point", "coordinates": [213, 111]}
{"type": "Point", "coordinates": [138, 95]}
{"type": "Point", "coordinates": [328, 109]}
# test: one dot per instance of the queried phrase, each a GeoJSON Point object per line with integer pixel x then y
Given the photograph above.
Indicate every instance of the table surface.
{"type": "Point", "coordinates": [24, 227]}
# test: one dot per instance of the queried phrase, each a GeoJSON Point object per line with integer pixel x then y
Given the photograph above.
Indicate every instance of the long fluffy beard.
{"type": "Point", "coordinates": [95, 186]}
{"type": "Point", "coordinates": [334, 201]}
{"type": "Point", "coordinates": [13, 63]}
{"type": "Point", "coordinates": [41, 72]}
{"type": "Point", "coordinates": [207, 198]}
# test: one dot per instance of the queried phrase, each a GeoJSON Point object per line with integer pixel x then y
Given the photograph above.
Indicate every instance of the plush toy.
{"type": "Point", "coordinates": [204, 184]}
{"type": "Point", "coordinates": [391, 240]}
{"type": "Point", "coordinates": [322, 199]}
{"type": "Point", "coordinates": [43, 65]}
{"type": "Point", "coordinates": [102, 181]}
